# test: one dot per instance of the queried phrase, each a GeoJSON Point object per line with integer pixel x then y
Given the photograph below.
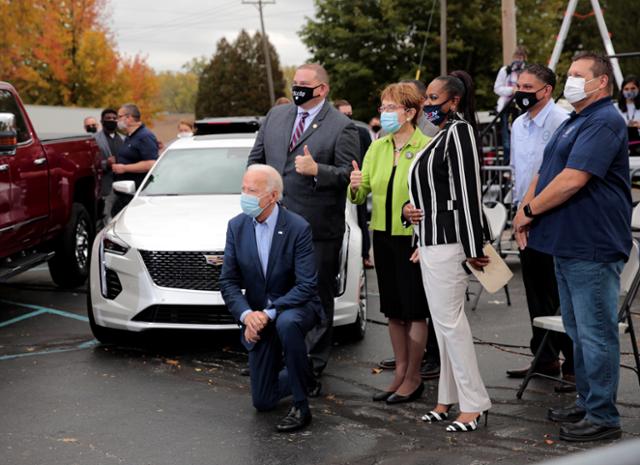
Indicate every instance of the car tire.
{"type": "Point", "coordinates": [70, 265]}
{"type": "Point", "coordinates": [102, 334]}
{"type": "Point", "coordinates": [356, 330]}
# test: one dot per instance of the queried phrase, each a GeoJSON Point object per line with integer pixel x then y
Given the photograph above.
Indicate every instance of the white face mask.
{"type": "Point", "coordinates": [184, 134]}
{"type": "Point", "coordinates": [574, 89]}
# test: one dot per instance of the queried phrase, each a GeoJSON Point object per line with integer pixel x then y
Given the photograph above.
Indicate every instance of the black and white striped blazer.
{"type": "Point", "coordinates": [444, 181]}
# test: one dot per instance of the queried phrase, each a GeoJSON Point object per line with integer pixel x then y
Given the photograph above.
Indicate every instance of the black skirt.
{"type": "Point", "coordinates": [399, 280]}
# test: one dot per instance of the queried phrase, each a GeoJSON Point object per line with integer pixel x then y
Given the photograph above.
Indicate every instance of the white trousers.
{"type": "Point", "coordinates": [445, 283]}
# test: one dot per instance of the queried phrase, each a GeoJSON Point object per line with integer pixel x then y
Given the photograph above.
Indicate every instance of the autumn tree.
{"type": "Point", "coordinates": [234, 82]}
{"type": "Point", "coordinates": [178, 89]}
{"type": "Point", "coordinates": [61, 53]}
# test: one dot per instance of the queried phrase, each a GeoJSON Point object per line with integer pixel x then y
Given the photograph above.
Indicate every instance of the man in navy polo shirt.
{"type": "Point", "coordinates": [578, 209]}
{"type": "Point", "coordinates": [136, 156]}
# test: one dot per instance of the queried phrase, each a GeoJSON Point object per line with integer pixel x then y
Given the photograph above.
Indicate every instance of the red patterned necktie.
{"type": "Point", "coordinates": [299, 130]}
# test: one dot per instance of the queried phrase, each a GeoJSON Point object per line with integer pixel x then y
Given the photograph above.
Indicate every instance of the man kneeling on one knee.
{"type": "Point", "coordinates": [269, 253]}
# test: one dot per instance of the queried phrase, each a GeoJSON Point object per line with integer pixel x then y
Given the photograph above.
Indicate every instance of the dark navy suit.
{"type": "Point", "coordinates": [290, 287]}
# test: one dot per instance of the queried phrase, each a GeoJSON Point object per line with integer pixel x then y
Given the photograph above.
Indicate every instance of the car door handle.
{"type": "Point", "coordinates": [40, 161]}
{"type": "Point", "coordinates": [4, 167]}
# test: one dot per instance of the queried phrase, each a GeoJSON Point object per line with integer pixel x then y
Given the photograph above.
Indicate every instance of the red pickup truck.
{"type": "Point", "coordinates": [49, 193]}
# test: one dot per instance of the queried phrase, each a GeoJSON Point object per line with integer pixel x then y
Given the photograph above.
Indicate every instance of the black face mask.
{"type": "Point", "coordinates": [302, 95]}
{"type": "Point", "coordinates": [91, 129]}
{"type": "Point", "coordinates": [110, 126]}
{"type": "Point", "coordinates": [526, 100]}
{"type": "Point", "coordinates": [376, 128]}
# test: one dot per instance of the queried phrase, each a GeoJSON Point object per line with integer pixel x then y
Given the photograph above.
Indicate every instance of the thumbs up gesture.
{"type": "Point", "coordinates": [356, 176]}
{"type": "Point", "coordinates": [305, 164]}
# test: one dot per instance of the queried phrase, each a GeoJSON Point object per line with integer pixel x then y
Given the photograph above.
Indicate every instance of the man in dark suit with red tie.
{"type": "Point", "coordinates": [312, 145]}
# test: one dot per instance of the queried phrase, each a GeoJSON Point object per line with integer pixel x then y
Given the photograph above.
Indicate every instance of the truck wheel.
{"type": "Point", "coordinates": [70, 265]}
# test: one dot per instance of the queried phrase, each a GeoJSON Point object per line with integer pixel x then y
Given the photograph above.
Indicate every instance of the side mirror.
{"type": "Point", "coordinates": [125, 187]}
{"type": "Point", "coordinates": [8, 134]}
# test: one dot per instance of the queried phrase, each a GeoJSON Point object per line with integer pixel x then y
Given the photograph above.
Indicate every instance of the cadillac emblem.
{"type": "Point", "coordinates": [213, 260]}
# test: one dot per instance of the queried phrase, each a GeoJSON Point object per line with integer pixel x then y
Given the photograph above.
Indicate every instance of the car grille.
{"type": "Point", "coordinates": [184, 270]}
{"type": "Point", "coordinates": [113, 285]}
{"type": "Point", "coordinates": [186, 314]}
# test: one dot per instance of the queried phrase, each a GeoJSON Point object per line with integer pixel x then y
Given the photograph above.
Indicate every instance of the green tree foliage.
{"type": "Point", "coordinates": [234, 82]}
{"type": "Point", "coordinates": [367, 44]}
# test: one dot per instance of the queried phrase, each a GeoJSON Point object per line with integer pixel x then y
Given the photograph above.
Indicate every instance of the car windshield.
{"type": "Point", "coordinates": [198, 172]}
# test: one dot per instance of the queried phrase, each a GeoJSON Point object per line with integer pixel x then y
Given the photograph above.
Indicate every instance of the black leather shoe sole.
{"type": "Point", "coordinates": [604, 433]}
{"type": "Point", "coordinates": [387, 364]}
{"type": "Point", "coordinates": [430, 372]}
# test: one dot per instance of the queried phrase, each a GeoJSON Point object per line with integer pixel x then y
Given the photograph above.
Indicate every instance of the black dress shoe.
{"type": "Point", "coordinates": [396, 398]}
{"type": "Point", "coordinates": [245, 371]}
{"type": "Point", "coordinates": [585, 430]}
{"type": "Point", "coordinates": [387, 363]}
{"type": "Point", "coordinates": [382, 396]}
{"type": "Point", "coordinates": [294, 420]}
{"type": "Point", "coordinates": [566, 415]}
{"type": "Point", "coordinates": [430, 370]}
{"type": "Point", "coordinates": [549, 369]}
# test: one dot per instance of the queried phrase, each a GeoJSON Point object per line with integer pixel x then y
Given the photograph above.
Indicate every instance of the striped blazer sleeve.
{"type": "Point", "coordinates": [465, 170]}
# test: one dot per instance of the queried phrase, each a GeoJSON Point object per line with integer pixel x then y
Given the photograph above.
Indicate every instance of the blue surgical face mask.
{"type": "Point", "coordinates": [250, 205]}
{"type": "Point", "coordinates": [630, 94]}
{"type": "Point", "coordinates": [389, 121]}
{"type": "Point", "coordinates": [434, 113]}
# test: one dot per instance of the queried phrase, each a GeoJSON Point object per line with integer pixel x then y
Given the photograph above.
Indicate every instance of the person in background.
{"type": "Point", "coordinates": [344, 107]}
{"type": "Point", "coordinates": [136, 156]}
{"type": "Point", "coordinates": [384, 175]}
{"type": "Point", "coordinates": [629, 107]}
{"type": "Point", "coordinates": [505, 88]}
{"type": "Point", "coordinates": [374, 128]}
{"type": "Point", "coordinates": [185, 128]}
{"type": "Point", "coordinates": [90, 125]}
{"type": "Point", "coordinates": [109, 141]}
{"type": "Point", "coordinates": [530, 134]}
{"type": "Point", "coordinates": [446, 210]}
{"type": "Point", "coordinates": [578, 209]}
{"type": "Point", "coordinates": [282, 101]}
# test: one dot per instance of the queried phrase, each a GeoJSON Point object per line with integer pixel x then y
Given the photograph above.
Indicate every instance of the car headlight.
{"type": "Point", "coordinates": [112, 243]}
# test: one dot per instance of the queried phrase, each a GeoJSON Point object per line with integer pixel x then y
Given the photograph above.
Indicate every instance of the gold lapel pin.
{"type": "Point", "coordinates": [409, 155]}
{"type": "Point", "coordinates": [314, 125]}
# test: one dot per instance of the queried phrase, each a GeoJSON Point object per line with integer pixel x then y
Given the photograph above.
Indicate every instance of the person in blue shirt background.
{"type": "Point", "coordinates": [578, 209]}
{"type": "Point", "coordinates": [530, 134]}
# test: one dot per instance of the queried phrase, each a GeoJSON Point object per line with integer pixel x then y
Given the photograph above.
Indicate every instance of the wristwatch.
{"type": "Point", "coordinates": [527, 211]}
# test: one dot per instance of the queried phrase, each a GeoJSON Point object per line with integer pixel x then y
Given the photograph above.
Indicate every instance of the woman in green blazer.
{"type": "Point", "coordinates": [384, 174]}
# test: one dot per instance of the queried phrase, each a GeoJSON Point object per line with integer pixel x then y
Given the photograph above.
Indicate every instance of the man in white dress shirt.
{"type": "Point", "coordinates": [529, 135]}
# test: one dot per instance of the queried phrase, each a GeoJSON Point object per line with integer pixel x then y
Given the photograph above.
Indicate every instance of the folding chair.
{"type": "Point", "coordinates": [496, 217]}
{"type": "Point", "coordinates": [629, 284]}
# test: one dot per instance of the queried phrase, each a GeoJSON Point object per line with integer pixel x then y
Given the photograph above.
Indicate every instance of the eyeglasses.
{"type": "Point", "coordinates": [384, 108]}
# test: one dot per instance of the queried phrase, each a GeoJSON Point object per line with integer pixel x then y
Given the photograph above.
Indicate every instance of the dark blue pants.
{"type": "Point", "coordinates": [589, 302]}
{"type": "Point", "coordinates": [270, 381]}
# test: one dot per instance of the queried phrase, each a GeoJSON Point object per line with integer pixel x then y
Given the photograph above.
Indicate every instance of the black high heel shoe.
{"type": "Point", "coordinates": [382, 396]}
{"type": "Point", "coordinates": [460, 427]}
{"type": "Point", "coordinates": [396, 398]}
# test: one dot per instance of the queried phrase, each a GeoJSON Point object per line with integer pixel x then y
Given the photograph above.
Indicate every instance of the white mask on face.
{"type": "Point", "coordinates": [182, 134]}
{"type": "Point", "coordinates": [574, 89]}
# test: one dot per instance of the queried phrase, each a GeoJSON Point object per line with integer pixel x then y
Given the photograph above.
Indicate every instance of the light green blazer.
{"type": "Point", "coordinates": [376, 173]}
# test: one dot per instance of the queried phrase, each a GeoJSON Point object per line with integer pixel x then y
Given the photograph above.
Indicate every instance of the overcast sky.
{"type": "Point", "coordinates": [171, 32]}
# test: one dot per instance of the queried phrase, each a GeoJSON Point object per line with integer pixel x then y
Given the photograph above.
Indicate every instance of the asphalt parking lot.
{"type": "Point", "coordinates": [177, 398]}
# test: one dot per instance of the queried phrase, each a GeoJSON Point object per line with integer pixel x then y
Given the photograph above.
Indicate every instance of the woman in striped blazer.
{"type": "Point", "coordinates": [446, 210]}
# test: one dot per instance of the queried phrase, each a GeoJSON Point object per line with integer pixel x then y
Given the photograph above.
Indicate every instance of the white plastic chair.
{"type": "Point", "coordinates": [629, 284]}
